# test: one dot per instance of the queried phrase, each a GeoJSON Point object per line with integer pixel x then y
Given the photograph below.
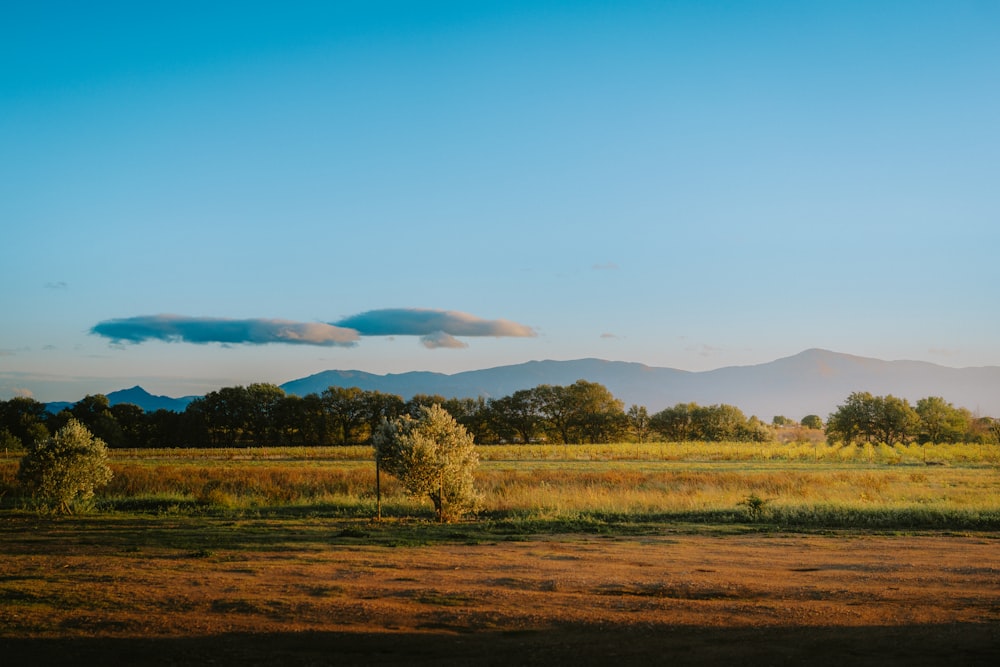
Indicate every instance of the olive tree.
{"type": "Point", "coordinates": [433, 456]}
{"type": "Point", "coordinates": [63, 471]}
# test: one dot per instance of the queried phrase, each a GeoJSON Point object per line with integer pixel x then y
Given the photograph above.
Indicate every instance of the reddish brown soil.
{"type": "Point", "coordinates": [680, 599]}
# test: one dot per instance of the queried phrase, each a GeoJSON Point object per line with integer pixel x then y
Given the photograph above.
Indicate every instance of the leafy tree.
{"type": "Point", "coordinates": [302, 420]}
{"type": "Point", "coordinates": [63, 471]}
{"type": "Point", "coordinates": [433, 456]}
{"type": "Point", "coordinates": [718, 423]}
{"type": "Point", "coordinates": [753, 430]}
{"type": "Point", "coordinates": [638, 421]}
{"type": "Point", "coordinates": [895, 421]}
{"type": "Point", "coordinates": [583, 410]}
{"type": "Point", "coordinates": [675, 424]}
{"type": "Point", "coordinates": [812, 421]}
{"type": "Point", "coordinates": [516, 417]}
{"type": "Point", "coordinates": [94, 412]}
{"type": "Point", "coordinates": [381, 407]}
{"type": "Point", "coordinates": [414, 407]}
{"type": "Point", "coordinates": [223, 413]}
{"type": "Point", "coordinates": [167, 428]}
{"type": "Point", "coordinates": [940, 421]}
{"type": "Point", "coordinates": [262, 408]}
{"type": "Point", "coordinates": [867, 418]}
{"type": "Point", "coordinates": [348, 409]}
{"type": "Point", "coordinates": [711, 423]}
{"type": "Point", "coordinates": [133, 425]}
{"type": "Point", "coordinates": [474, 415]}
{"type": "Point", "coordinates": [24, 419]}
{"type": "Point", "coordinates": [597, 416]}
{"type": "Point", "coordinates": [854, 420]}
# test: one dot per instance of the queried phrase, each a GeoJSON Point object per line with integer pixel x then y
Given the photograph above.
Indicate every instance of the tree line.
{"type": "Point", "coordinates": [865, 418]}
{"type": "Point", "coordinates": [263, 414]}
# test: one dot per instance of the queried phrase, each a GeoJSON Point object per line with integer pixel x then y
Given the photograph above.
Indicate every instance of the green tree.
{"type": "Point", "coordinates": [348, 409]}
{"type": "Point", "coordinates": [675, 424]}
{"type": "Point", "coordinates": [940, 421]}
{"type": "Point", "coordinates": [638, 422]}
{"type": "Point", "coordinates": [854, 420]}
{"type": "Point", "coordinates": [63, 471]}
{"type": "Point", "coordinates": [895, 422]}
{"type": "Point", "coordinates": [582, 411]}
{"type": "Point", "coordinates": [754, 430]}
{"type": "Point", "coordinates": [24, 419]}
{"type": "Point", "coordinates": [812, 421]}
{"type": "Point", "coordinates": [719, 423]}
{"type": "Point", "coordinates": [262, 405]}
{"type": "Point", "coordinates": [474, 415]}
{"type": "Point", "coordinates": [597, 416]}
{"type": "Point", "coordinates": [867, 418]}
{"type": "Point", "coordinates": [94, 412]}
{"type": "Point", "coordinates": [515, 417]}
{"type": "Point", "coordinates": [381, 407]}
{"type": "Point", "coordinates": [433, 456]}
{"type": "Point", "coordinates": [133, 424]}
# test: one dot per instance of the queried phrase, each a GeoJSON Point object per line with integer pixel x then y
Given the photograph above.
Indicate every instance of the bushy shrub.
{"type": "Point", "coordinates": [432, 456]}
{"type": "Point", "coordinates": [61, 472]}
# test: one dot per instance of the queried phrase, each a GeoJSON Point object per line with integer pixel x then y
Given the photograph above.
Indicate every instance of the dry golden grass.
{"type": "Point", "coordinates": [809, 484]}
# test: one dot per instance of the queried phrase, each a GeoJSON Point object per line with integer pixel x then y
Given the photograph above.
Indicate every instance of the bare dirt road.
{"type": "Point", "coordinates": [580, 600]}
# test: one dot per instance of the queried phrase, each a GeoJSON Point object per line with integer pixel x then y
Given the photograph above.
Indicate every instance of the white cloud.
{"type": "Point", "coordinates": [427, 322]}
{"type": "Point", "coordinates": [436, 329]}
{"type": "Point", "coordinates": [174, 328]}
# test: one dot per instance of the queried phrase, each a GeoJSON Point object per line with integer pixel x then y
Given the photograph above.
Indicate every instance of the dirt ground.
{"type": "Point", "coordinates": [580, 600]}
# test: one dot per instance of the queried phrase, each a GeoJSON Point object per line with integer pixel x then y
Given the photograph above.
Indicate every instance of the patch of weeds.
{"type": "Point", "coordinates": [756, 507]}
{"type": "Point", "coordinates": [200, 553]}
{"type": "Point", "coordinates": [353, 532]}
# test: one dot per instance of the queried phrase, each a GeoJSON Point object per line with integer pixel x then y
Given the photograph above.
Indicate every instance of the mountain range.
{"type": "Point", "coordinates": [812, 382]}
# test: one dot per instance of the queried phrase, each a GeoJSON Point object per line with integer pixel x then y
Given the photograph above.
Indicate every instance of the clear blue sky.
{"type": "Point", "coordinates": [196, 195]}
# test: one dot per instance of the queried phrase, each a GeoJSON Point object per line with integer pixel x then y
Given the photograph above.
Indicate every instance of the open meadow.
{"type": "Point", "coordinates": [689, 553]}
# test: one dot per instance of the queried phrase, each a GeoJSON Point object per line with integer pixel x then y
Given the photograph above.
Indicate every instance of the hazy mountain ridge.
{"type": "Point", "coordinates": [812, 382]}
{"type": "Point", "coordinates": [136, 396]}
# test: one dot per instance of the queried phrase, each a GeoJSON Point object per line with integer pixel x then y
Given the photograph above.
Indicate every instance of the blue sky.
{"type": "Point", "coordinates": [200, 196]}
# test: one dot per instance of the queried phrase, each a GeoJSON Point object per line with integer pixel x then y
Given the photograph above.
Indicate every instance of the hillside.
{"type": "Point", "coordinates": [811, 382]}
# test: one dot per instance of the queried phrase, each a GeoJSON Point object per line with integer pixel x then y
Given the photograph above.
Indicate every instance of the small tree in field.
{"type": "Point", "coordinates": [62, 471]}
{"type": "Point", "coordinates": [433, 456]}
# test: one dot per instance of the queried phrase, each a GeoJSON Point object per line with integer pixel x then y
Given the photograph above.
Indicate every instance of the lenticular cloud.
{"type": "Point", "coordinates": [436, 329]}
{"type": "Point", "coordinates": [430, 323]}
{"type": "Point", "coordinates": [177, 328]}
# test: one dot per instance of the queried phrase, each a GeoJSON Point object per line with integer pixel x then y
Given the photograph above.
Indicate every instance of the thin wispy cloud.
{"type": "Point", "coordinates": [435, 328]}
{"type": "Point", "coordinates": [606, 266]}
{"type": "Point", "coordinates": [59, 284]}
{"type": "Point", "coordinates": [704, 350]}
{"type": "Point", "coordinates": [178, 328]}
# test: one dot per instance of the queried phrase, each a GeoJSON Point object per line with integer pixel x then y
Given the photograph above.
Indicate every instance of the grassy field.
{"type": "Point", "coordinates": [591, 487]}
{"type": "Point", "coordinates": [583, 555]}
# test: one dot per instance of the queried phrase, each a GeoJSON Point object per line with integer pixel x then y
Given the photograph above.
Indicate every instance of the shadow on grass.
{"type": "Point", "coordinates": [959, 644]}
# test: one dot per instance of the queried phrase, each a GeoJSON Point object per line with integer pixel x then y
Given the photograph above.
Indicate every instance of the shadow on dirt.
{"type": "Point", "coordinates": [958, 644]}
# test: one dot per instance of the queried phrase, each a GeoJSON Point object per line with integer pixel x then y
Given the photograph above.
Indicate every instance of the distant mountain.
{"type": "Point", "coordinates": [148, 402]}
{"type": "Point", "coordinates": [812, 382]}
{"type": "Point", "coordinates": [136, 396]}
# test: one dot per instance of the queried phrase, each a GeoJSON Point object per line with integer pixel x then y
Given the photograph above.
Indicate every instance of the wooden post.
{"type": "Point", "coordinates": [378, 490]}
